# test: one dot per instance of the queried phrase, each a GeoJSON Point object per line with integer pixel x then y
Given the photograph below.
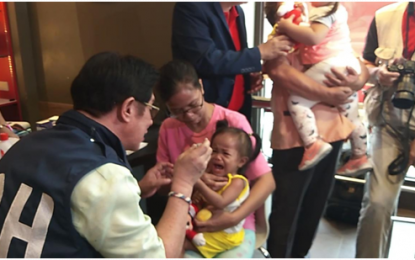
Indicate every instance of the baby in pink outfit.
{"type": "Point", "coordinates": [325, 44]}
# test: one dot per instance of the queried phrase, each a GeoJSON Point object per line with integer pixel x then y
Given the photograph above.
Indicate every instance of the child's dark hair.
{"type": "Point", "coordinates": [245, 144]}
{"type": "Point", "coordinates": [333, 10]}
{"type": "Point", "coordinates": [270, 10]}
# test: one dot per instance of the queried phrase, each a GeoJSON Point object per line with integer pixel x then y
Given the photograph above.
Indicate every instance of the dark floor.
{"type": "Point", "coordinates": [337, 240]}
{"type": "Point", "coordinates": [334, 240]}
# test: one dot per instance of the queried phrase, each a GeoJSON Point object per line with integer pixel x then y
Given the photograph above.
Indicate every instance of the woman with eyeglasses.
{"type": "Point", "coordinates": [192, 120]}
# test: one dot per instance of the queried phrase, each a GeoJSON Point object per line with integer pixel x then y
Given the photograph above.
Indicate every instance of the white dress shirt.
{"type": "Point", "coordinates": [106, 212]}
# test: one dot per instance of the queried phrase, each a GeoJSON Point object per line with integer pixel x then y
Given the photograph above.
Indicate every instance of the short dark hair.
{"type": "Point", "coordinates": [270, 9]}
{"type": "Point", "coordinates": [173, 73]}
{"type": "Point", "coordinates": [108, 79]}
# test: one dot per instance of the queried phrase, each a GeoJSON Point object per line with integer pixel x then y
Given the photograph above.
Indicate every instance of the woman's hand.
{"type": "Point", "coordinates": [214, 182]}
{"type": "Point", "coordinates": [219, 221]}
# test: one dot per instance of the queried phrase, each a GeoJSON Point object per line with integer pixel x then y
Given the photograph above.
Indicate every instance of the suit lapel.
{"type": "Point", "coordinates": [240, 21]}
{"type": "Point", "coordinates": [219, 12]}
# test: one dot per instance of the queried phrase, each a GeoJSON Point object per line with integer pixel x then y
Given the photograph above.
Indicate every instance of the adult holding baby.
{"type": "Point", "coordinates": [300, 199]}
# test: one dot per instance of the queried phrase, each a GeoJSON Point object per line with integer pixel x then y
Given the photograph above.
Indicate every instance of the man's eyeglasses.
{"type": "Point", "coordinates": [153, 109]}
{"type": "Point", "coordinates": [180, 113]}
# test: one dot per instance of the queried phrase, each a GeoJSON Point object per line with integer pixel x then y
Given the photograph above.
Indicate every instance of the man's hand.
{"type": "Point", "coordinates": [256, 82]}
{"type": "Point", "coordinates": [192, 164]}
{"type": "Point", "coordinates": [337, 78]}
{"type": "Point", "coordinates": [385, 77]}
{"type": "Point", "coordinates": [412, 154]}
{"type": "Point", "coordinates": [338, 96]}
{"type": "Point", "coordinates": [277, 46]}
{"type": "Point", "coordinates": [214, 182]}
{"type": "Point", "coordinates": [156, 177]}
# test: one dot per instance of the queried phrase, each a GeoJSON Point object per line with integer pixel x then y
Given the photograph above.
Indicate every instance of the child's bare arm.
{"type": "Point", "coordinates": [308, 35]}
{"type": "Point", "coordinates": [223, 200]}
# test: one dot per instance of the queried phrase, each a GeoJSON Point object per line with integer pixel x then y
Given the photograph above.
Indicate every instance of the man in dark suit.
{"type": "Point", "coordinates": [212, 36]}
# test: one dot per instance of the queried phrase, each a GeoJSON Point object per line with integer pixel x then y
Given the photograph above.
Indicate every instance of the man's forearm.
{"type": "Point", "coordinates": [373, 70]}
{"type": "Point", "coordinates": [363, 77]}
{"type": "Point", "coordinates": [172, 226]}
{"type": "Point", "coordinates": [297, 82]}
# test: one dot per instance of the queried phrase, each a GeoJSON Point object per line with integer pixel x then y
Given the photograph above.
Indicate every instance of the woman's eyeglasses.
{"type": "Point", "coordinates": [192, 109]}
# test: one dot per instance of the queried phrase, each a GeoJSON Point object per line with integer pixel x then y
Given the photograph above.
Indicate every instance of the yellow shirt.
{"type": "Point", "coordinates": [238, 202]}
{"type": "Point", "coordinates": [217, 242]}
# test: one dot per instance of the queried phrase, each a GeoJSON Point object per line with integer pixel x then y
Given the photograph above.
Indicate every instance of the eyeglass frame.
{"type": "Point", "coordinates": [151, 108]}
{"type": "Point", "coordinates": [183, 112]}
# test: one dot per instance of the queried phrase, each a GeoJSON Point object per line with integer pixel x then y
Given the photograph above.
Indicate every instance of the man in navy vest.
{"type": "Point", "coordinates": [212, 36]}
{"type": "Point", "coordinates": [69, 192]}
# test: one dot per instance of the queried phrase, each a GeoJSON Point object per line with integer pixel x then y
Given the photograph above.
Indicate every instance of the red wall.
{"type": "Point", "coordinates": [6, 52]}
{"type": "Point", "coordinates": [3, 36]}
{"type": "Point", "coordinates": [9, 101]}
{"type": "Point", "coordinates": [360, 17]}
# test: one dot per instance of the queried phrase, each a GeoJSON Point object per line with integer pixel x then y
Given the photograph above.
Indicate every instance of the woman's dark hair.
{"type": "Point", "coordinates": [173, 73]}
{"type": "Point", "coordinates": [245, 142]}
{"type": "Point", "coordinates": [108, 79]}
{"type": "Point", "coordinates": [333, 10]}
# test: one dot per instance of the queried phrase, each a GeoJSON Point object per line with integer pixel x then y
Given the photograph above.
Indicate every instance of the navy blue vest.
{"type": "Point", "coordinates": [40, 172]}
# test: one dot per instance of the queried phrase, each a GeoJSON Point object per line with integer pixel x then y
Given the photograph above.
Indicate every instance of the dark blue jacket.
{"type": "Point", "coordinates": [201, 36]}
{"type": "Point", "coordinates": [47, 165]}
